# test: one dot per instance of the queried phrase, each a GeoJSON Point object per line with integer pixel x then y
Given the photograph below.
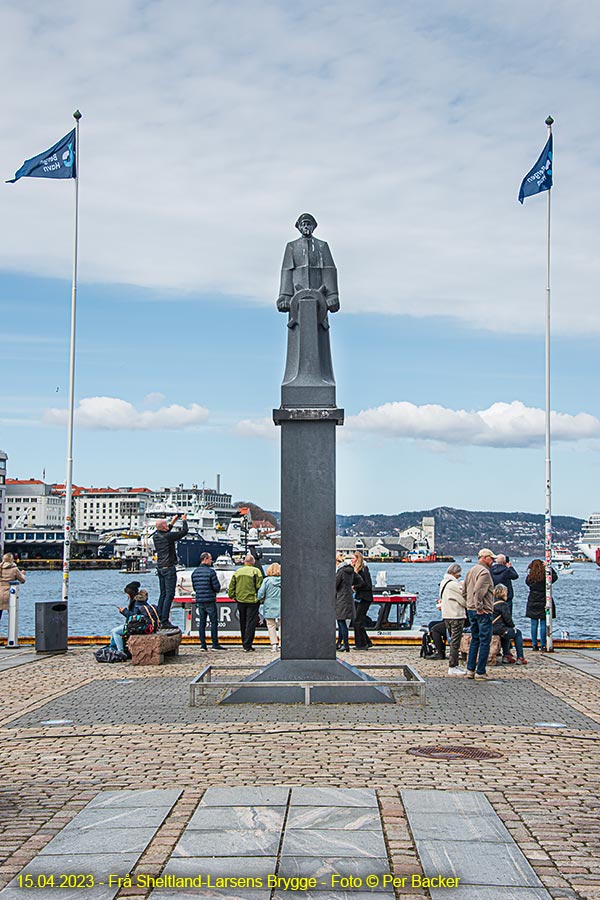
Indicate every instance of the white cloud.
{"type": "Point", "coordinates": [114, 414]}
{"type": "Point", "coordinates": [257, 428]}
{"type": "Point", "coordinates": [400, 126]}
{"type": "Point", "coordinates": [500, 425]}
{"type": "Point", "coordinates": [154, 398]}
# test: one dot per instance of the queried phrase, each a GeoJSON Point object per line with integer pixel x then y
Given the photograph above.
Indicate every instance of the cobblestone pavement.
{"type": "Point", "coordinates": [545, 788]}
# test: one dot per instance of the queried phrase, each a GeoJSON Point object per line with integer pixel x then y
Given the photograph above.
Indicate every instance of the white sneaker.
{"type": "Point", "coordinates": [457, 670]}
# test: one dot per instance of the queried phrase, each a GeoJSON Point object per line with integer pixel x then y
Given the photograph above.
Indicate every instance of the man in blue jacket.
{"type": "Point", "coordinates": [206, 587]}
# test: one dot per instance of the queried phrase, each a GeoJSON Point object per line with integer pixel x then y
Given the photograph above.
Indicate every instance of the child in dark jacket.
{"type": "Point", "coordinates": [138, 606]}
{"type": "Point", "coordinates": [505, 628]}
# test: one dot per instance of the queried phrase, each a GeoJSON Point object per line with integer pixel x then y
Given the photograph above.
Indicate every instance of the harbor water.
{"type": "Point", "coordinates": [94, 597]}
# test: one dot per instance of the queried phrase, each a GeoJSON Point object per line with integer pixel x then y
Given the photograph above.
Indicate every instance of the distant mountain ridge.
{"type": "Point", "coordinates": [464, 531]}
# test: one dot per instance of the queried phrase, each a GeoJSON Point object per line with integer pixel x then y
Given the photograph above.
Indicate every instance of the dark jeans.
{"type": "Point", "coordinates": [437, 630]}
{"type": "Point", "coordinates": [248, 613]}
{"type": "Point", "coordinates": [342, 633]}
{"type": "Point", "coordinates": [361, 638]}
{"type": "Point", "coordinates": [455, 627]}
{"type": "Point", "coordinates": [203, 610]}
{"type": "Point", "coordinates": [481, 638]}
{"type": "Point", "coordinates": [167, 580]}
{"type": "Point", "coordinates": [513, 634]}
{"type": "Point", "coordinates": [534, 632]}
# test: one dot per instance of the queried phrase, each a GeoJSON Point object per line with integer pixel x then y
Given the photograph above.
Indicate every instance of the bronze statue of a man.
{"type": "Point", "coordinates": [308, 292]}
{"type": "Point", "coordinates": [308, 264]}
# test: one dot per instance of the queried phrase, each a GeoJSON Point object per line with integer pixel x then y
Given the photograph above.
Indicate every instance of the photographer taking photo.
{"type": "Point", "coordinates": [164, 539]}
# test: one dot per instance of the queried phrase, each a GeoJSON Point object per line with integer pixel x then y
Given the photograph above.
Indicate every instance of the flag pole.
{"type": "Point", "coordinates": [69, 475]}
{"type": "Point", "coordinates": [548, 511]}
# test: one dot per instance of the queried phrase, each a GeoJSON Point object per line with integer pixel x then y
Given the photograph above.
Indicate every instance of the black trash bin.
{"type": "Point", "coordinates": [51, 627]}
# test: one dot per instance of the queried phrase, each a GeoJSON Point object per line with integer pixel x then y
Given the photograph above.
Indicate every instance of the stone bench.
{"type": "Point", "coordinates": [495, 648]}
{"type": "Point", "coordinates": [151, 649]}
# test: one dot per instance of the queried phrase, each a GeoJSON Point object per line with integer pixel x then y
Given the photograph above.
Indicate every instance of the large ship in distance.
{"type": "Point", "coordinates": [589, 539]}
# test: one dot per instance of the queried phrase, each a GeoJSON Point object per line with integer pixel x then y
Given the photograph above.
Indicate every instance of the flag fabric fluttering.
{"type": "Point", "coordinates": [57, 162]}
{"type": "Point", "coordinates": [540, 177]}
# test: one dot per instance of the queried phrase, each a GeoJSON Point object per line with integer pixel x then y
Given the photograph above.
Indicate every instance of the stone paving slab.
{"type": "Point", "coordinates": [322, 868]}
{"type": "Point", "coordinates": [353, 818]}
{"type": "Point", "coordinates": [127, 817]}
{"type": "Point", "coordinates": [486, 863]}
{"type": "Point", "coordinates": [242, 842]}
{"type": "Point", "coordinates": [304, 842]}
{"type": "Point", "coordinates": [508, 701]}
{"type": "Point", "coordinates": [154, 798]}
{"type": "Point", "coordinates": [246, 796]}
{"type": "Point", "coordinates": [112, 840]}
{"type": "Point", "coordinates": [227, 818]}
{"type": "Point", "coordinates": [99, 865]}
{"type": "Point", "coordinates": [586, 661]}
{"type": "Point", "coordinates": [76, 848]}
{"type": "Point", "coordinates": [459, 803]}
{"type": "Point", "coordinates": [457, 850]}
{"type": "Point", "coordinates": [222, 866]}
{"type": "Point", "coordinates": [443, 827]}
{"type": "Point", "coordinates": [10, 659]}
{"type": "Point", "coordinates": [301, 847]}
{"type": "Point", "coordinates": [309, 796]}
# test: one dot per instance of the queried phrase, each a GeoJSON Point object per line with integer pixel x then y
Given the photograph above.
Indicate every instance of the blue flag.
{"type": "Point", "coordinates": [57, 162]}
{"type": "Point", "coordinates": [540, 177]}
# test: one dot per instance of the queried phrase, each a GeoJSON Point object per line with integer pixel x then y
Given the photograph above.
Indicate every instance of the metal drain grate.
{"type": "Point", "coordinates": [448, 751]}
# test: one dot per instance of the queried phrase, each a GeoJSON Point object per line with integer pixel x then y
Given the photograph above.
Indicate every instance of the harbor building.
{"type": "Point", "coordinates": [416, 543]}
{"type": "Point", "coordinates": [373, 547]}
{"type": "Point", "coordinates": [110, 509]}
{"type": "Point", "coordinates": [30, 502]}
{"type": "Point", "coordinates": [3, 459]}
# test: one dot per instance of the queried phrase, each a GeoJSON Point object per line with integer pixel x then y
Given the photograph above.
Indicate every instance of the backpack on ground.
{"type": "Point", "coordinates": [427, 646]}
{"type": "Point", "coordinates": [110, 655]}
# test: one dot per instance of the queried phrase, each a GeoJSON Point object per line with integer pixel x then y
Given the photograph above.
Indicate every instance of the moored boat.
{"type": "Point", "coordinates": [589, 539]}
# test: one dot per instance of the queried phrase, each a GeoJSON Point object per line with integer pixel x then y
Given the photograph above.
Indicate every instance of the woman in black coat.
{"type": "Point", "coordinates": [536, 601]}
{"type": "Point", "coordinates": [363, 595]}
{"type": "Point", "coordinates": [345, 578]}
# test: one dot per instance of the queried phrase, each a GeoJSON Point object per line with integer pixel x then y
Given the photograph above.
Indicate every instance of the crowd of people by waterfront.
{"type": "Point", "coordinates": [482, 605]}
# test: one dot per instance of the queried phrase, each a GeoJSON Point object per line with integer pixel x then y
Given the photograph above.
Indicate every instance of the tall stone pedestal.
{"type": "Point", "coordinates": [308, 417]}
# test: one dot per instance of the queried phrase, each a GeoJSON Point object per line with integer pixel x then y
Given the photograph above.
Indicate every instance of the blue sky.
{"type": "Point", "coordinates": [406, 129]}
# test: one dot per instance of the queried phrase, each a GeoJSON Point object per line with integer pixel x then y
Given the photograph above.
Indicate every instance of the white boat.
{"type": "Point", "coordinates": [589, 539]}
{"type": "Point", "coordinates": [244, 537]}
{"type": "Point", "coordinates": [561, 555]}
{"type": "Point", "coordinates": [224, 566]}
{"type": "Point", "coordinates": [565, 568]}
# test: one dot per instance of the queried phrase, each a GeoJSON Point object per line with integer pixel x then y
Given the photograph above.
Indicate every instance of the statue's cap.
{"type": "Point", "coordinates": [306, 216]}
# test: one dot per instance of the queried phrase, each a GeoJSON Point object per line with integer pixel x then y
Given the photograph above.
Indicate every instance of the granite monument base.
{"type": "Point", "coordinates": [307, 670]}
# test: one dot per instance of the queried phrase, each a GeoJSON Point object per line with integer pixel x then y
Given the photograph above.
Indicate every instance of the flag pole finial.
{"type": "Point", "coordinates": [77, 115]}
{"type": "Point", "coordinates": [549, 121]}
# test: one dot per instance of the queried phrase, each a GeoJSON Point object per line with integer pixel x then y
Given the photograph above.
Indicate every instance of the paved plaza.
{"type": "Point", "coordinates": [108, 768]}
